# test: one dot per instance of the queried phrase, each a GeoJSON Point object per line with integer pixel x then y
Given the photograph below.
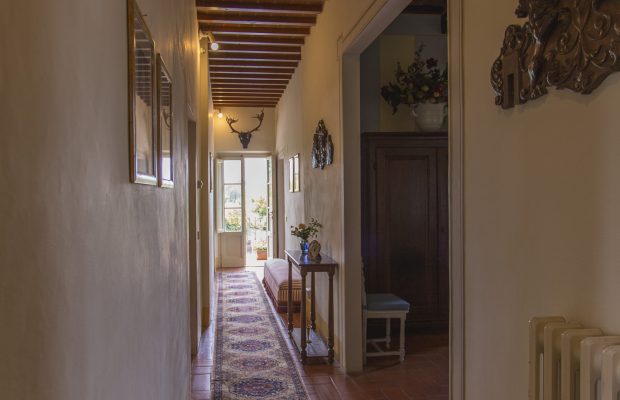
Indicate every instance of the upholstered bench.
{"type": "Point", "coordinates": [276, 284]}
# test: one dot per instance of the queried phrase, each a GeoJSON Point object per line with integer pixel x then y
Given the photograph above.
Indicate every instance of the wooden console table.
{"type": "Point", "coordinates": [315, 347]}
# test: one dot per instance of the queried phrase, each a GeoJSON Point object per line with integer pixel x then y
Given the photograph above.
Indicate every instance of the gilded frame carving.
{"type": "Point", "coordinates": [566, 44]}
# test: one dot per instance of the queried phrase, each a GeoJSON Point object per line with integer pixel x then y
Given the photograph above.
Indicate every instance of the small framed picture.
{"type": "Point", "coordinates": [296, 174]}
{"type": "Point", "coordinates": [293, 174]}
{"type": "Point", "coordinates": [142, 108]}
{"type": "Point", "coordinates": [164, 125]}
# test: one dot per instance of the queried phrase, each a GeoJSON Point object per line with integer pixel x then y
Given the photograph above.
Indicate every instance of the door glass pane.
{"type": "Point", "coordinates": [232, 220]}
{"type": "Point", "coordinates": [232, 171]}
{"type": "Point", "coordinates": [232, 196]}
{"type": "Point", "coordinates": [256, 210]}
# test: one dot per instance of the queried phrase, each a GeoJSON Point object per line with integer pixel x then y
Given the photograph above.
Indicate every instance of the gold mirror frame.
{"type": "Point", "coordinates": [141, 79]}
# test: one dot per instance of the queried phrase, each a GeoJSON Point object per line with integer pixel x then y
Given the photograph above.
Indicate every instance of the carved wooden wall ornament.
{"type": "Point", "coordinates": [245, 136]}
{"type": "Point", "coordinates": [567, 44]}
{"type": "Point", "coordinates": [322, 147]}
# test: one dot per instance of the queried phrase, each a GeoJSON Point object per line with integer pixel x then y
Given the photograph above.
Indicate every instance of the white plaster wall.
{"type": "Point", "coordinates": [289, 141]}
{"type": "Point", "coordinates": [262, 141]}
{"type": "Point", "coordinates": [541, 211]}
{"type": "Point", "coordinates": [93, 269]}
{"type": "Point", "coordinates": [314, 94]}
{"type": "Point", "coordinates": [207, 217]}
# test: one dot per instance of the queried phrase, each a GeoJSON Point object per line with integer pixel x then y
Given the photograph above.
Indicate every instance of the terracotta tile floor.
{"type": "Point", "coordinates": [423, 375]}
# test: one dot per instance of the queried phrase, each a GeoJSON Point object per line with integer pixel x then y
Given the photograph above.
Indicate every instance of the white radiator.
{"type": "Point", "coordinates": [570, 362]}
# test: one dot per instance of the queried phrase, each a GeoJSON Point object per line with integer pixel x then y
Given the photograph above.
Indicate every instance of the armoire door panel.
{"type": "Point", "coordinates": [405, 222]}
{"type": "Point", "coordinates": [406, 215]}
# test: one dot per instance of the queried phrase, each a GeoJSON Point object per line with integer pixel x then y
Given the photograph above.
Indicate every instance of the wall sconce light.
{"type": "Point", "coordinates": [219, 114]}
{"type": "Point", "coordinates": [213, 45]}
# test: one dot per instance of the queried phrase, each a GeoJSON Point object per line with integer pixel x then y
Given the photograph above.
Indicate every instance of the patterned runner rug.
{"type": "Point", "coordinates": [252, 360]}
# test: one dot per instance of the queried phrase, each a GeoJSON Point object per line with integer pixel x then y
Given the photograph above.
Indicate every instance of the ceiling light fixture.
{"type": "Point", "coordinates": [219, 114]}
{"type": "Point", "coordinates": [213, 45]}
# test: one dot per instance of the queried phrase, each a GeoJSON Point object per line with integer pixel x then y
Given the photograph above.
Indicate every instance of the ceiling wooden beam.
{"type": "Point", "coordinates": [245, 92]}
{"type": "Point", "coordinates": [289, 7]}
{"type": "Point", "coordinates": [218, 55]}
{"type": "Point", "coordinates": [255, 100]}
{"type": "Point", "coordinates": [255, 103]}
{"type": "Point", "coordinates": [257, 48]}
{"type": "Point", "coordinates": [223, 82]}
{"type": "Point", "coordinates": [253, 63]}
{"type": "Point", "coordinates": [246, 105]}
{"type": "Point", "coordinates": [247, 88]}
{"type": "Point", "coordinates": [265, 82]}
{"type": "Point", "coordinates": [255, 19]}
{"type": "Point", "coordinates": [245, 95]}
{"type": "Point", "coordinates": [249, 70]}
{"type": "Point", "coordinates": [249, 39]}
{"type": "Point", "coordinates": [221, 75]}
{"type": "Point", "coordinates": [220, 28]}
{"type": "Point", "coordinates": [229, 84]}
{"type": "Point", "coordinates": [246, 99]}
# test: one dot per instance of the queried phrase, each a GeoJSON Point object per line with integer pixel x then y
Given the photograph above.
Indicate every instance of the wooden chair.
{"type": "Point", "coordinates": [388, 306]}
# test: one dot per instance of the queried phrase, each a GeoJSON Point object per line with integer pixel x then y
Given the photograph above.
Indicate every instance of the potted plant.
{"type": "Point", "coordinates": [261, 250]}
{"type": "Point", "coordinates": [422, 86]}
{"type": "Point", "coordinates": [305, 232]}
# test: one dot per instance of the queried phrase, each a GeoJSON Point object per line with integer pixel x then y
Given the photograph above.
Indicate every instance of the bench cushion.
{"type": "Point", "coordinates": [276, 284]}
{"type": "Point", "coordinates": [385, 302]}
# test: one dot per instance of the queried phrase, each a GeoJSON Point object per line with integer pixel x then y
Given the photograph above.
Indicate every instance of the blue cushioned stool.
{"type": "Point", "coordinates": [388, 306]}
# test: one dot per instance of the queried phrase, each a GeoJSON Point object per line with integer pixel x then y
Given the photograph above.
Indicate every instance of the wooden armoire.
{"type": "Point", "coordinates": [405, 221]}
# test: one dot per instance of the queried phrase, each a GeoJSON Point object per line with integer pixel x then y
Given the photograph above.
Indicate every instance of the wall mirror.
{"type": "Point", "coordinates": [164, 125]}
{"type": "Point", "coordinates": [142, 116]}
{"type": "Point", "coordinates": [293, 174]}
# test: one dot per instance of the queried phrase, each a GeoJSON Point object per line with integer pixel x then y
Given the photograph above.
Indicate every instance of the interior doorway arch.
{"type": "Point", "coordinates": [350, 45]}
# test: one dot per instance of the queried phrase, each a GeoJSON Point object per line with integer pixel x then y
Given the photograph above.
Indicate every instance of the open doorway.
{"type": "Point", "coordinates": [355, 116]}
{"type": "Point", "coordinates": [245, 210]}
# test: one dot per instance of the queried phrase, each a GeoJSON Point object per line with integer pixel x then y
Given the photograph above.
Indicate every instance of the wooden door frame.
{"type": "Point", "coordinates": [193, 161]}
{"type": "Point", "coordinates": [377, 17]}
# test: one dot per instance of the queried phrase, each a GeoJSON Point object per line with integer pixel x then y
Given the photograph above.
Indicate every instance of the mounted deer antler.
{"type": "Point", "coordinates": [245, 137]}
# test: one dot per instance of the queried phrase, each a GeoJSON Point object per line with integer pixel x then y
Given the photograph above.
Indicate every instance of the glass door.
{"type": "Point", "coordinates": [231, 212]}
{"type": "Point", "coordinates": [245, 210]}
{"type": "Point", "coordinates": [258, 210]}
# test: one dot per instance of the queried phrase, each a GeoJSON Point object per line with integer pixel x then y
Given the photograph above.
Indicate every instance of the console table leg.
{"type": "Point", "coordinates": [304, 354]}
{"type": "Point", "coordinates": [289, 304]}
{"type": "Point", "coordinates": [330, 340]}
{"type": "Point", "coordinates": [312, 302]}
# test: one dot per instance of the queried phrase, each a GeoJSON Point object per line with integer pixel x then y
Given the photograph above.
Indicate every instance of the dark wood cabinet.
{"type": "Point", "coordinates": [405, 221]}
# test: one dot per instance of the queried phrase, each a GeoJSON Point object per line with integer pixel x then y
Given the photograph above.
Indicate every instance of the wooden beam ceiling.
{"type": "Point", "coordinates": [259, 47]}
{"type": "Point", "coordinates": [273, 40]}
{"type": "Point", "coordinates": [286, 7]}
{"type": "Point", "coordinates": [254, 64]}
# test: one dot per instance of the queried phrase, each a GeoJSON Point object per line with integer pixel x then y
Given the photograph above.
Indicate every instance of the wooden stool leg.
{"type": "Point", "coordinates": [388, 333]}
{"type": "Point", "coordinates": [402, 338]}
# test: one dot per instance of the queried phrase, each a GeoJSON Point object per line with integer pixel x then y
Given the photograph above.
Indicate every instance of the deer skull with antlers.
{"type": "Point", "coordinates": [245, 137]}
